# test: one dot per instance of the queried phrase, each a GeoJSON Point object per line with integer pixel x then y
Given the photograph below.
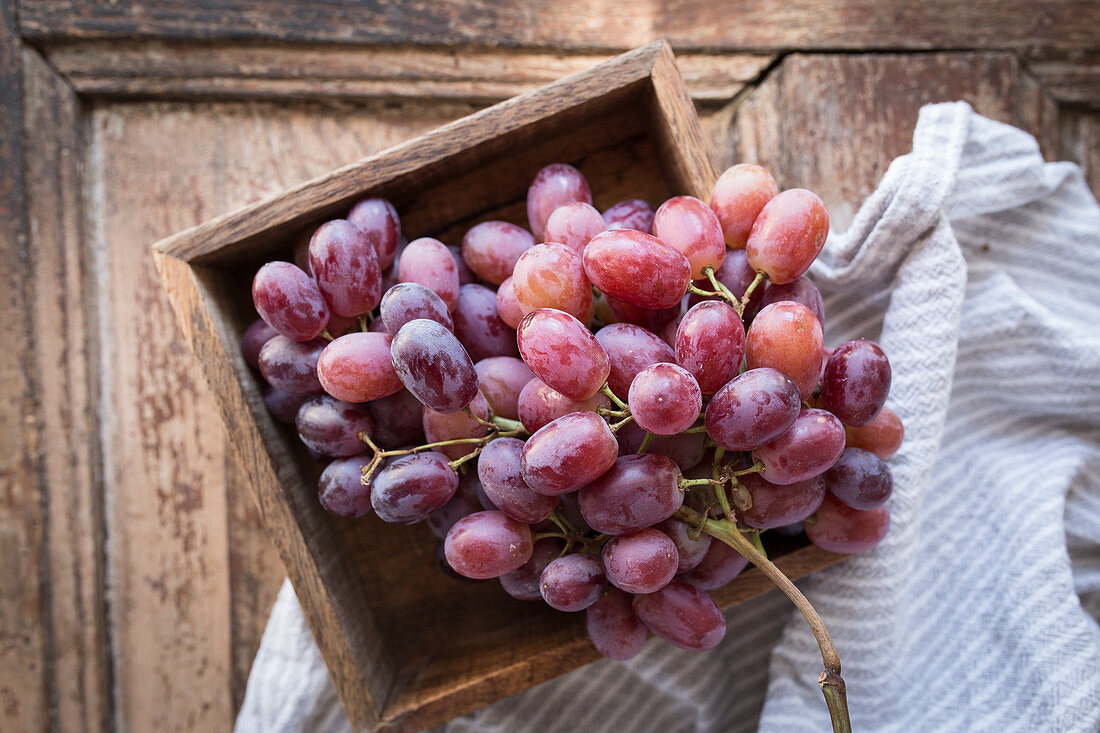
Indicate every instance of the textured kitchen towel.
{"type": "Point", "coordinates": [977, 267]}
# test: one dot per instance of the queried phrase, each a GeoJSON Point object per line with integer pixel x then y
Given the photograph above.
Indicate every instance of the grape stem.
{"type": "Point", "coordinates": [723, 291]}
{"type": "Point", "coordinates": [617, 426]}
{"type": "Point", "coordinates": [608, 412]}
{"type": "Point", "coordinates": [364, 324]}
{"type": "Point", "coordinates": [830, 681]}
{"type": "Point", "coordinates": [606, 390]}
{"type": "Point", "coordinates": [686, 482]}
{"type": "Point", "coordinates": [760, 277]}
{"type": "Point", "coordinates": [646, 442]}
{"type": "Point", "coordinates": [754, 468]}
{"type": "Point", "coordinates": [326, 335]}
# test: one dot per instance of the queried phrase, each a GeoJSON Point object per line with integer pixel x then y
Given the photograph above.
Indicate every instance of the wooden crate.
{"type": "Point", "coordinates": [408, 647]}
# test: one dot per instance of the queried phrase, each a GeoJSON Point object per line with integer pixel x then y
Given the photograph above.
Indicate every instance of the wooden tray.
{"type": "Point", "coordinates": [408, 647]}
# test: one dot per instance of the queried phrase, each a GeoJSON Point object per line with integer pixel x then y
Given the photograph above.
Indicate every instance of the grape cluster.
{"type": "Point", "coordinates": [575, 407]}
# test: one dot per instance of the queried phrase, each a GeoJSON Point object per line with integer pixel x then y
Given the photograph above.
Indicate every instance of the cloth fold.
{"type": "Point", "coordinates": [977, 267]}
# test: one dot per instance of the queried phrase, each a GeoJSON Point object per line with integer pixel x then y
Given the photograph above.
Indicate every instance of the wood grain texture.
{"type": "Point", "coordinates": [764, 25]}
{"type": "Point", "coordinates": [1071, 80]}
{"type": "Point", "coordinates": [1080, 142]}
{"type": "Point", "coordinates": [65, 318]}
{"type": "Point", "coordinates": [309, 71]}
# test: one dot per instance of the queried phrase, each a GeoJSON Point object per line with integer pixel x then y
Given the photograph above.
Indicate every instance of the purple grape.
{"type": "Point", "coordinates": [642, 562]}
{"type": "Point", "coordinates": [637, 491]}
{"type": "Point", "coordinates": [753, 409]}
{"type": "Point", "coordinates": [289, 301]}
{"type": "Point", "coordinates": [685, 448]}
{"type": "Point", "coordinates": [630, 214]}
{"type": "Point", "coordinates": [651, 319]}
{"type": "Point", "coordinates": [860, 479]}
{"type": "Point", "coordinates": [462, 504]}
{"type": "Point", "coordinates": [523, 582]}
{"type": "Point", "coordinates": [283, 406]}
{"type": "Point", "coordinates": [612, 626]}
{"type": "Point", "coordinates": [630, 349]}
{"type": "Point", "coordinates": [433, 365]}
{"type": "Point", "coordinates": [331, 427]}
{"type": "Point", "coordinates": [539, 405]}
{"type": "Point", "coordinates": [397, 419]}
{"type": "Point", "coordinates": [838, 527]}
{"type": "Point", "coordinates": [562, 352]}
{"type": "Point", "coordinates": [487, 545]}
{"type": "Point", "coordinates": [719, 566]}
{"type": "Point", "coordinates": [775, 506]}
{"type": "Point", "coordinates": [665, 399]}
{"type": "Point", "coordinates": [341, 488]}
{"type": "Point", "coordinates": [801, 291]}
{"type": "Point", "coordinates": [291, 365]}
{"type": "Point", "coordinates": [690, 552]}
{"type": "Point", "coordinates": [346, 267]}
{"type": "Point", "coordinates": [412, 487]}
{"type": "Point", "coordinates": [856, 382]}
{"type": "Point", "coordinates": [254, 338]}
{"type": "Point", "coordinates": [682, 615]}
{"type": "Point", "coordinates": [479, 327]}
{"type": "Point", "coordinates": [710, 342]}
{"type": "Point", "coordinates": [809, 448]}
{"type": "Point", "coordinates": [378, 221]}
{"type": "Point", "coordinates": [406, 302]}
{"type": "Point", "coordinates": [568, 453]}
{"type": "Point", "coordinates": [572, 583]}
{"type": "Point", "coordinates": [498, 468]}
{"type": "Point", "coordinates": [465, 274]}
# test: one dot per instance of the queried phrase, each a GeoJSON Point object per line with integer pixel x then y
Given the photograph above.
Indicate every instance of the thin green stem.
{"type": "Point", "coordinates": [481, 421]}
{"type": "Point", "coordinates": [619, 425]}
{"type": "Point", "coordinates": [715, 468]}
{"type": "Point", "coordinates": [543, 535]}
{"type": "Point", "coordinates": [697, 429]}
{"type": "Point", "coordinates": [468, 457]}
{"type": "Point", "coordinates": [364, 324]}
{"type": "Point", "coordinates": [608, 412]}
{"type": "Point", "coordinates": [754, 538]}
{"type": "Point", "coordinates": [754, 468]}
{"type": "Point", "coordinates": [606, 390]}
{"type": "Point", "coordinates": [723, 291]}
{"type": "Point", "coordinates": [326, 335]}
{"type": "Point", "coordinates": [512, 427]}
{"type": "Point", "coordinates": [699, 291]}
{"type": "Point", "coordinates": [646, 442]}
{"type": "Point", "coordinates": [686, 482]}
{"type": "Point", "coordinates": [760, 277]}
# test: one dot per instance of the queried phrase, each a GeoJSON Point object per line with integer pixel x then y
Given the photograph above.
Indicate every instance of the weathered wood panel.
{"type": "Point", "coordinates": [765, 25]}
{"type": "Point", "coordinates": [1080, 142]}
{"type": "Point", "coordinates": [1074, 80]}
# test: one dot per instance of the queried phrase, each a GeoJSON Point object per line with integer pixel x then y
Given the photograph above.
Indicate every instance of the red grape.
{"type": "Point", "coordinates": [433, 365]}
{"type": "Point", "coordinates": [719, 566]}
{"type": "Point", "coordinates": [690, 227]}
{"type": "Point", "coordinates": [341, 488]}
{"type": "Point", "coordinates": [487, 545]}
{"type": "Point", "coordinates": [465, 274]}
{"type": "Point", "coordinates": [289, 301]}
{"type": "Point", "coordinates": [882, 436]}
{"type": "Point", "coordinates": [665, 399]}
{"type": "Point", "coordinates": [689, 551]}
{"type": "Point", "coordinates": [612, 626]}
{"type": "Point", "coordinates": [462, 504]}
{"type": "Point", "coordinates": [787, 336]}
{"type": "Point", "coordinates": [358, 368]}
{"type": "Point", "coordinates": [809, 448]}
{"type": "Point", "coordinates": [630, 349]}
{"type": "Point", "coordinates": [840, 528]}
{"type": "Point", "coordinates": [331, 427]}
{"type": "Point", "coordinates": [787, 235]}
{"type": "Point", "coordinates": [501, 475]}
{"type": "Point", "coordinates": [397, 419]}
{"type": "Point", "coordinates": [630, 214]}
{"type": "Point", "coordinates": [775, 506]}
{"type": "Point", "coordinates": [283, 406]}
{"type": "Point", "coordinates": [291, 365]}
{"type": "Point", "coordinates": [637, 491]}
{"type": "Point", "coordinates": [539, 404]}
{"type": "Point", "coordinates": [568, 453]}
{"type": "Point", "coordinates": [412, 487]}
{"type": "Point", "coordinates": [685, 448]}
{"type": "Point", "coordinates": [523, 582]}
{"type": "Point", "coordinates": [552, 276]}
{"type": "Point", "coordinates": [478, 326]}
{"type": "Point", "coordinates": [642, 562]}
{"type": "Point", "coordinates": [255, 336]}
{"type": "Point", "coordinates": [406, 302]}
{"type": "Point", "coordinates": [553, 186]}
{"type": "Point", "coordinates": [428, 262]}
{"type": "Point", "coordinates": [637, 268]}
{"type": "Point", "coordinates": [501, 379]}
{"type": "Point", "coordinates": [860, 479]}
{"type": "Point", "coordinates": [346, 268]}
{"type": "Point", "coordinates": [492, 248]}
{"type": "Point", "coordinates": [647, 318]}
{"type": "Point", "coordinates": [856, 382]}
{"type": "Point", "coordinates": [753, 409]}
{"type": "Point", "coordinates": [378, 221]}
{"type": "Point", "coordinates": [338, 325]}
{"type": "Point", "coordinates": [739, 195]}
{"type": "Point", "coordinates": [563, 353]}
{"type": "Point", "coordinates": [507, 306]}
{"type": "Point", "coordinates": [574, 224]}
{"type": "Point", "coordinates": [801, 290]}
{"type": "Point", "coordinates": [709, 344]}
{"type": "Point", "coordinates": [682, 615]}
{"type": "Point", "coordinates": [572, 583]}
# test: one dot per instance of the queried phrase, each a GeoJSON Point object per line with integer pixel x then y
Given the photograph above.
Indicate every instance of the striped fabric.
{"type": "Point", "coordinates": [977, 267]}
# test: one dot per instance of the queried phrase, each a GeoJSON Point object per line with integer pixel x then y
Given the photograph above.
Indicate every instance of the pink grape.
{"type": "Point", "coordinates": [555, 185]}
{"type": "Point", "coordinates": [630, 214]}
{"type": "Point", "coordinates": [572, 583]}
{"type": "Point", "coordinates": [508, 307]}
{"type": "Point", "coordinates": [341, 488]}
{"type": "Point", "coordinates": [647, 318]}
{"type": "Point", "coordinates": [787, 235]}
{"type": "Point", "coordinates": [860, 479]}
{"type": "Point", "coordinates": [636, 492]}
{"type": "Point", "coordinates": [801, 290]}
{"type": "Point", "coordinates": [439, 427]}
{"type": "Point", "coordinates": [689, 551]}
{"type": "Point", "coordinates": [283, 406]}
{"type": "Point", "coordinates": [563, 353]}
{"type": "Point", "coordinates": [289, 301]}
{"type": "Point", "coordinates": [685, 448]}
{"type": "Point", "coordinates": [523, 582]}
{"type": "Point", "coordinates": [410, 488]}
{"type": "Point", "coordinates": [809, 448]}
{"type": "Point", "coordinates": [739, 195]}
{"type": "Point", "coordinates": [331, 427]}
{"type": "Point", "coordinates": [775, 506]}
{"type": "Point", "coordinates": [719, 566]}
{"type": "Point", "coordinates": [787, 336]}
{"type": "Point", "coordinates": [378, 221]}
{"type": "Point", "coordinates": [291, 365]}
{"type": "Point", "coordinates": [753, 409]}
{"type": "Point", "coordinates": [642, 562]}
{"type": "Point", "coordinates": [491, 249]}
{"type": "Point", "coordinates": [501, 379]}
{"type": "Point", "coordinates": [397, 419]}
{"type": "Point", "coordinates": [433, 365]}
{"type": "Point", "coordinates": [710, 342]}
{"type": "Point", "coordinates": [637, 268]}
{"type": "Point", "coordinates": [568, 453]}
{"type": "Point", "coordinates": [487, 545]}
{"type": "Point", "coordinates": [665, 399]}
{"type": "Point", "coordinates": [690, 227]}
{"type": "Point", "coordinates": [856, 382]}
{"type": "Point", "coordinates": [612, 626]}
{"type": "Point", "coordinates": [465, 274]}
{"type": "Point", "coordinates": [406, 302]}
{"type": "Point", "coordinates": [574, 224]}
{"type": "Point", "coordinates": [479, 327]}
{"type": "Point", "coordinates": [539, 404]}
{"type": "Point", "coordinates": [346, 268]}
{"type": "Point", "coordinates": [552, 276]}
{"type": "Point", "coordinates": [882, 436]}
{"type": "Point", "coordinates": [501, 475]}
{"type": "Point", "coordinates": [682, 615]}
{"type": "Point", "coordinates": [255, 336]}
{"type": "Point", "coordinates": [630, 349]}
{"type": "Point", "coordinates": [840, 528]}
{"type": "Point", "coordinates": [358, 367]}
{"type": "Point", "coordinates": [428, 262]}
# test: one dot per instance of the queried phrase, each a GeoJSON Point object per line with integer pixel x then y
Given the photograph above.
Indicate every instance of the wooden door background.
{"type": "Point", "coordinates": [135, 577]}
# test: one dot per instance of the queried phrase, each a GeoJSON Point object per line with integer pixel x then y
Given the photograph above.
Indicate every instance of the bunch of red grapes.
{"type": "Point", "coordinates": [561, 404]}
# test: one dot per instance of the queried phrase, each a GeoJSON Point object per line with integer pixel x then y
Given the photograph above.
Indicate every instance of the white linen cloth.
{"type": "Point", "coordinates": [977, 267]}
